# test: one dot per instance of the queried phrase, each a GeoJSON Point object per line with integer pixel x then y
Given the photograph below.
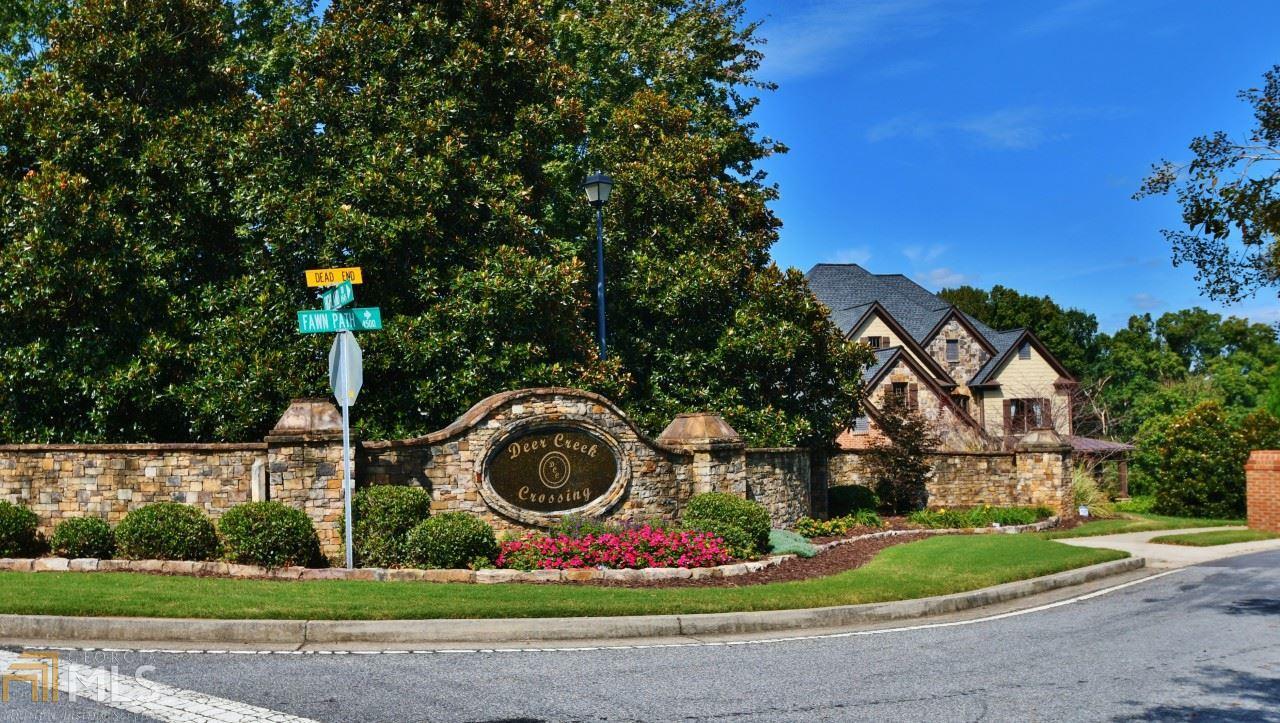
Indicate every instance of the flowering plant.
{"type": "Point", "coordinates": [627, 549]}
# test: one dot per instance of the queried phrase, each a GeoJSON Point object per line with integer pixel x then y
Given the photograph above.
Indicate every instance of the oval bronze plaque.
{"type": "Point", "coordinates": [552, 469]}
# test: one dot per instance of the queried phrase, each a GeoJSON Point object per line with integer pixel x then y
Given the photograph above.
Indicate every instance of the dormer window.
{"type": "Point", "coordinates": [1024, 351]}
{"type": "Point", "coordinates": [953, 350]}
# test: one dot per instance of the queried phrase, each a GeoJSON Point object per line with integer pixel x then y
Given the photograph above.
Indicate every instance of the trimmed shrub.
{"type": "Point", "coordinates": [384, 516]}
{"type": "Point", "coordinates": [738, 542]}
{"type": "Point", "coordinates": [270, 534]}
{"type": "Point", "coordinates": [18, 535]}
{"type": "Point", "coordinates": [785, 542]}
{"type": "Point", "coordinates": [166, 531]}
{"type": "Point", "coordinates": [750, 516]}
{"type": "Point", "coordinates": [837, 526]}
{"type": "Point", "coordinates": [451, 540]}
{"type": "Point", "coordinates": [944, 519]}
{"type": "Point", "coordinates": [84, 537]}
{"type": "Point", "coordinates": [848, 499]}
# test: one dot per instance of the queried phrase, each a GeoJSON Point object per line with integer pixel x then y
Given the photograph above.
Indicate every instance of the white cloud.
{"type": "Point", "coordinates": [943, 277]}
{"type": "Point", "coordinates": [1143, 301]}
{"type": "Point", "coordinates": [1013, 128]}
{"type": "Point", "coordinates": [924, 255]}
{"type": "Point", "coordinates": [816, 35]}
{"type": "Point", "coordinates": [853, 255]}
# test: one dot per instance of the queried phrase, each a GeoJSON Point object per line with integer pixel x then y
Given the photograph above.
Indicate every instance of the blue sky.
{"type": "Point", "coordinates": [984, 142]}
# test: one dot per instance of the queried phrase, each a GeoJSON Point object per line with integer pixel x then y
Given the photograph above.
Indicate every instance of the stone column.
{"type": "Point", "coordinates": [304, 467]}
{"type": "Point", "coordinates": [1043, 462]}
{"type": "Point", "coordinates": [1262, 490]}
{"type": "Point", "coordinates": [719, 453]}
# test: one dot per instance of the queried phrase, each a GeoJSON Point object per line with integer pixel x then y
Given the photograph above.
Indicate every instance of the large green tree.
{"type": "Point", "coordinates": [440, 145]}
{"type": "Point", "coordinates": [1230, 196]}
{"type": "Point", "coordinates": [1069, 333]}
{"type": "Point", "coordinates": [115, 212]}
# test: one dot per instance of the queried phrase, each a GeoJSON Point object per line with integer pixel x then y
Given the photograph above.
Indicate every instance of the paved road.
{"type": "Point", "coordinates": [1198, 643]}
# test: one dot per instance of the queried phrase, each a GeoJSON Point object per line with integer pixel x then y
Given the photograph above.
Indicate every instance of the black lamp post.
{"type": "Point", "coordinates": [598, 187]}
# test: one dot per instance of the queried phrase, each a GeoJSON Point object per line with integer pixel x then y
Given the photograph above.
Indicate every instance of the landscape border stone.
{"type": "Point", "coordinates": [224, 569]}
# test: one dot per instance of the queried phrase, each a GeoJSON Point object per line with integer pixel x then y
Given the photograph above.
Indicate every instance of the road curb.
{"type": "Point", "coordinates": [510, 630]}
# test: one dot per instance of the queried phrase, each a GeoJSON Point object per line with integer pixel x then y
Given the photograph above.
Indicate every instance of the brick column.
{"type": "Point", "coordinates": [1043, 462]}
{"type": "Point", "coordinates": [304, 467]}
{"type": "Point", "coordinates": [1262, 493]}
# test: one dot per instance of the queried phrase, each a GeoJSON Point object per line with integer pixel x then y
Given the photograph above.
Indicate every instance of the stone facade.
{"type": "Point", "coordinates": [971, 358]}
{"type": "Point", "coordinates": [1038, 472]}
{"type": "Point", "coordinates": [952, 431]}
{"type": "Point", "coordinates": [781, 480]}
{"type": "Point", "coordinates": [108, 480]}
{"type": "Point", "coordinates": [1262, 494]}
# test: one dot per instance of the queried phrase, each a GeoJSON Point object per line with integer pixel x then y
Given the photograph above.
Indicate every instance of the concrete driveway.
{"type": "Point", "coordinates": [1164, 556]}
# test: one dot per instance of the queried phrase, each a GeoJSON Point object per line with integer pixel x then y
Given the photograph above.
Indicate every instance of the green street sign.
{"type": "Point", "coordinates": [336, 297]}
{"type": "Point", "coordinates": [315, 321]}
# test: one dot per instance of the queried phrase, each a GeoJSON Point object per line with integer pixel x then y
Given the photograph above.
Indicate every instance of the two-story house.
{"type": "Point", "coordinates": [978, 386]}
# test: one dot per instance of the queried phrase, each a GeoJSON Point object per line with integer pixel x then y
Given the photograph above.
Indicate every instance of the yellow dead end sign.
{"type": "Point", "coordinates": [329, 277]}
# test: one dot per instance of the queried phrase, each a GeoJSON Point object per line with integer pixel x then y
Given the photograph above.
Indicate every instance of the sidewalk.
{"type": "Point", "coordinates": [1163, 556]}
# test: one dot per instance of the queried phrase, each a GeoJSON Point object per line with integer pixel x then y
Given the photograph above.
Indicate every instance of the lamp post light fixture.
{"type": "Point", "coordinates": [598, 187]}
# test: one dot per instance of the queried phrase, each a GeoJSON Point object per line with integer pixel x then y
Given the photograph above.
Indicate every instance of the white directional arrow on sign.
{"type": "Point", "coordinates": [346, 368]}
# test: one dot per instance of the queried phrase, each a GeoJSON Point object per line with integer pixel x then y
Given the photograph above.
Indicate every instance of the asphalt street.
{"type": "Point", "coordinates": [1201, 643]}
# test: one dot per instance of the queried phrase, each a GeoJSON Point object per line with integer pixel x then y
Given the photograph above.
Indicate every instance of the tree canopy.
{"type": "Point", "coordinates": [1230, 197]}
{"type": "Point", "coordinates": [164, 190]}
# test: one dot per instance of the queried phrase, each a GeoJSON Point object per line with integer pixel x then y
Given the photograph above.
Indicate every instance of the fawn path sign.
{"type": "Point", "coordinates": [552, 469]}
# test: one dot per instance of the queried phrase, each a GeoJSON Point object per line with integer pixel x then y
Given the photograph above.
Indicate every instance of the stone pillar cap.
{"type": "Point", "coordinates": [700, 428]}
{"type": "Point", "coordinates": [308, 416]}
{"type": "Point", "coordinates": [1041, 439]}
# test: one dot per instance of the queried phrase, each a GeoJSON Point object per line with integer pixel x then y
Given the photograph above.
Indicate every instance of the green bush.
{"type": "Point", "coordinates": [18, 535]}
{"type": "Point", "coordinates": [785, 542]}
{"type": "Point", "coordinates": [166, 531]}
{"type": "Point", "coordinates": [837, 526]}
{"type": "Point", "coordinates": [848, 499]}
{"type": "Point", "coordinates": [739, 543]}
{"type": "Point", "coordinates": [451, 540]}
{"type": "Point", "coordinates": [384, 516]}
{"type": "Point", "coordinates": [1201, 461]}
{"type": "Point", "coordinates": [84, 537]}
{"type": "Point", "coordinates": [270, 534]}
{"type": "Point", "coordinates": [944, 519]}
{"type": "Point", "coordinates": [752, 517]}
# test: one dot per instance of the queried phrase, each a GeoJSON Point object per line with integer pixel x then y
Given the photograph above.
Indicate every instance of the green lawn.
{"type": "Point", "coordinates": [1216, 537]}
{"type": "Point", "coordinates": [934, 566]}
{"type": "Point", "coordinates": [1135, 522]}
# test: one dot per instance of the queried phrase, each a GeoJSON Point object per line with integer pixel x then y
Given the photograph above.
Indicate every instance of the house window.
{"type": "Point", "coordinates": [908, 393]}
{"type": "Point", "coordinates": [873, 342]}
{"type": "Point", "coordinates": [861, 425]}
{"type": "Point", "coordinates": [953, 350]}
{"type": "Point", "coordinates": [961, 401]}
{"type": "Point", "coordinates": [1024, 415]}
{"type": "Point", "coordinates": [1024, 351]}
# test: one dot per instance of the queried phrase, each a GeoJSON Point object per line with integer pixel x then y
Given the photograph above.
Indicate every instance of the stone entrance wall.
{"type": "Point", "coordinates": [1038, 472]}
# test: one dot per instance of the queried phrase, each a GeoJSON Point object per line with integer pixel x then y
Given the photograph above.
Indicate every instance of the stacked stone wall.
{"type": "Point", "coordinates": [781, 480]}
{"type": "Point", "coordinates": [107, 481]}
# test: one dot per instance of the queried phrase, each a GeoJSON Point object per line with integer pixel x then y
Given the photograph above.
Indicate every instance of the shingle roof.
{"type": "Point", "coordinates": [883, 357]}
{"type": "Point", "coordinates": [849, 290]}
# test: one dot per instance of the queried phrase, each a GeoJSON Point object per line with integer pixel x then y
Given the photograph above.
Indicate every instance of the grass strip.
{"type": "Point", "coordinates": [1215, 537]}
{"type": "Point", "coordinates": [935, 566]}
{"type": "Point", "coordinates": [1134, 522]}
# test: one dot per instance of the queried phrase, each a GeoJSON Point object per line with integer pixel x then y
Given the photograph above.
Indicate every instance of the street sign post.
{"type": "Point", "coordinates": [346, 361]}
{"type": "Point", "coordinates": [329, 277]}
{"type": "Point", "coordinates": [317, 321]}
{"type": "Point", "coordinates": [346, 376]}
{"type": "Point", "coordinates": [339, 296]}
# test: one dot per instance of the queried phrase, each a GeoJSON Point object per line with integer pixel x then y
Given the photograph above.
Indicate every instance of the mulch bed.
{"type": "Point", "coordinates": [848, 556]}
